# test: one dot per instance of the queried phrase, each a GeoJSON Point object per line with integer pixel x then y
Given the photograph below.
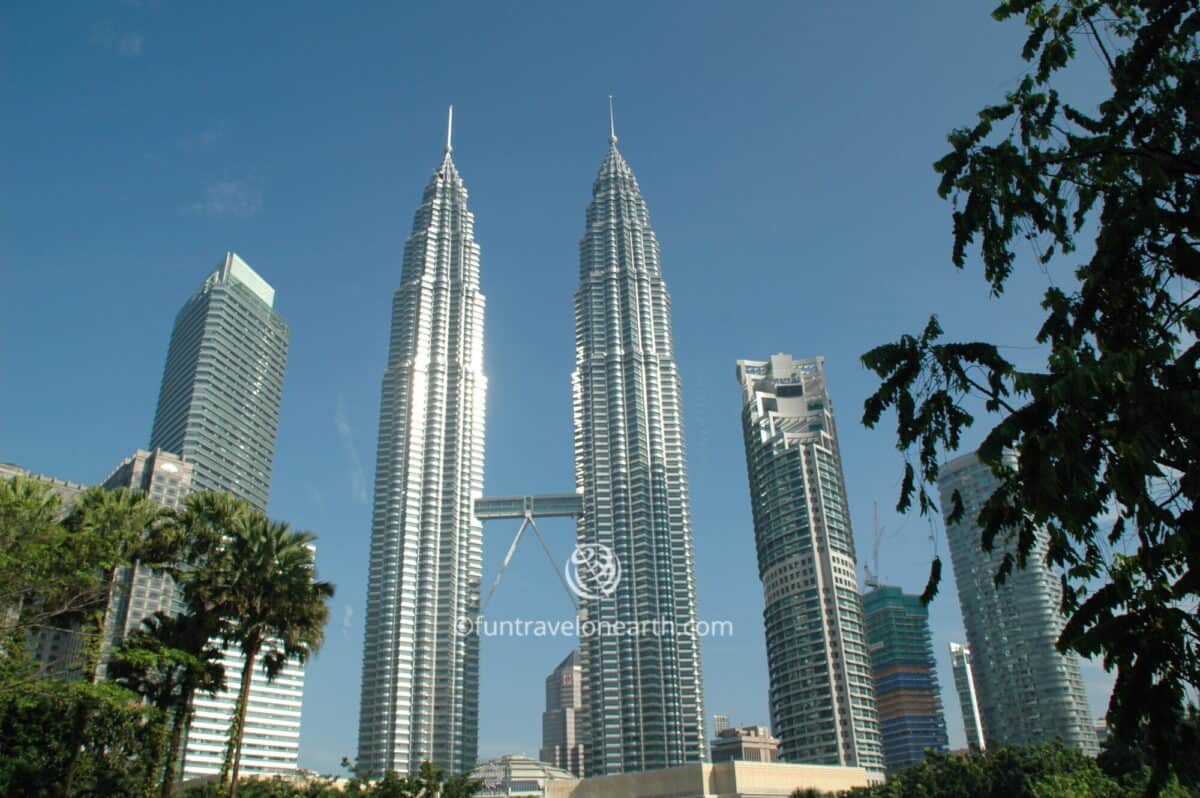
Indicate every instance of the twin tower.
{"type": "Point", "coordinates": [642, 694]}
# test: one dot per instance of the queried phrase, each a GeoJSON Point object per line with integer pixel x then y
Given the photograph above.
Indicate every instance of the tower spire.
{"type": "Point", "coordinates": [449, 130]}
{"type": "Point", "coordinates": [612, 125]}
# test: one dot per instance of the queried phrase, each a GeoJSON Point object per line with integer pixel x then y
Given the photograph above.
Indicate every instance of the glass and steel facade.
{"type": "Point", "coordinates": [1028, 692]}
{"type": "Point", "coordinates": [218, 407]}
{"type": "Point", "coordinates": [642, 695]}
{"type": "Point", "coordinates": [907, 696]}
{"type": "Point", "coordinates": [821, 691]}
{"type": "Point", "coordinates": [420, 681]}
{"type": "Point", "coordinates": [968, 697]}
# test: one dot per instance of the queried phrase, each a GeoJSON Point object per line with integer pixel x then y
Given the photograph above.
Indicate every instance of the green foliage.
{"type": "Point", "coordinates": [429, 782]}
{"type": "Point", "coordinates": [46, 578]}
{"type": "Point", "coordinates": [272, 788]}
{"type": "Point", "coordinates": [122, 740]}
{"type": "Point", "coordinates": [1111, 426]}
{"type": "Point", "coordinates": [244, 578]}
{"type": "Point", "coordinates": [261, 582]}
{"type": "Point", "coordinates": [166, 663]}
{"type": "Point", "coordinates": [1046, 771]}
{"type": "Point", "coordinates": [108, 529]}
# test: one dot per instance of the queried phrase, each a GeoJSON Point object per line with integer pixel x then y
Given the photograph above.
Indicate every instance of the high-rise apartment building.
{"type": "Point", "coordinates": [822, 695]}
{"type": "Point", "coordinates": [561, 743]}
{"type": "Point", "coordinates": [907, 696]}
{"type": "Point", "coordinates": [1028, 692]}
{"type": "Point", "coordinates": [271, 745]}
{"type": "Point", "coordinates": [642, 694]}
{"type": "Point", "coordinates": [218, 407]}
{"type": "Point", "coordinates": [968, 698]}
{"type": "Point", "coordinates": [420, 681]}
{"type": "Point", "coordinates": [139, 592]}
{"type": "Point", "coordinates": [720, 723]}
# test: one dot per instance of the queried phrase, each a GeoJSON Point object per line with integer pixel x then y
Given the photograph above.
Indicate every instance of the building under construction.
{"type": "Point", "coordinates": [906, 685]}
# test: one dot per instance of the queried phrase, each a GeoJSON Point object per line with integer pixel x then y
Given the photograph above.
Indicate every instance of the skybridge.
{"type": "Point", "coordinates": [529, 508]}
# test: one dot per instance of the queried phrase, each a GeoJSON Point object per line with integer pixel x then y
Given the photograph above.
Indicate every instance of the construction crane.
{"type": "Point", "coordinates": [872, 568]}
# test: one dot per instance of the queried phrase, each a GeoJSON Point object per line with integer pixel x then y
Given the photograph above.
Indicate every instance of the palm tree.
{"type": "Point", "coordinates": [264, 581]}
{"type": "Point", "coordinates": [167, 662]}
{"type": "Point", "coordinates": [120, 527]}
{"type": "Point", "coordinates": [110, 528]}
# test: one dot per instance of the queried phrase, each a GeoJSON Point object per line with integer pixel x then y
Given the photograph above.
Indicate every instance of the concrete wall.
{"type": "Point", "coordinates": [722, 780]}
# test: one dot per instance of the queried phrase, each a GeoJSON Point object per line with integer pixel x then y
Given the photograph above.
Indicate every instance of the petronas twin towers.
{"type": "Point", "coordinates": [420, 685]}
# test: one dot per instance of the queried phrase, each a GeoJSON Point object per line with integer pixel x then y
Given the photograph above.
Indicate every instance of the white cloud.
{"type": "Point", "coordinates": [358, 479]}
{"type": "Point", "coordinates": [126, 43]}
{"type": "Point", "coordinates": [236, 198]}
{"type": "Point", "coordinates": [216, 133]}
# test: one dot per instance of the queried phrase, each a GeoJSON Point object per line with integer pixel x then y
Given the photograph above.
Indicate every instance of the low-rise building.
{"type": "Point", "coordinates": [745, 744]}
{"type": "Point", "coordinates": [717, 780]}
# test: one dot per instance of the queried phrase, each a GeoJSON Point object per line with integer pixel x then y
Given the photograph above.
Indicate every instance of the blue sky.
{"type": "Point", "coordinates": [785, 153]}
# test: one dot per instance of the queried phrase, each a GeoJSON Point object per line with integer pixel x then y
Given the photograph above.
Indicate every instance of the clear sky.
{"type": "Point", "coordinates": [785, 153]}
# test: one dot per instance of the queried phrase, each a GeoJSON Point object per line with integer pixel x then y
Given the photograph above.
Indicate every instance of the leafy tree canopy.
{"type": "Point", "coordinates": [1110, 427]}
{"type": "Point", "coordinates": [1045, 771]}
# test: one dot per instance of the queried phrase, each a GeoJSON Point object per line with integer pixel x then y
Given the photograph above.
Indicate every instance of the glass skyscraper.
{"type": "Point", "coordinates": [907, 696]}
{"type": "Point", "coordinates": [218, 407]}
{"type": "Point", "coordinates": [1028, 692]}
{"type": "Point", "coordinates": [420, 681]}
{"type": "Point", "coordinates": [642, 694]}
{"type": "Point", "coordinates": [822, 696]}
{"type": "Point", "coordinates": [968, 697]}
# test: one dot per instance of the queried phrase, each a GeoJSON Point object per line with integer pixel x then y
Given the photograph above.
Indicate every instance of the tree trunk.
{"type": "Point", "coordinates": [233, 754]}
{"type": "Point", "coordinates": [183, 717]}
{"type": "Point", "coordinates": [157, 730]}
{"type": "Point", "coordinates": [82, 710]}
{"type": "Point", "coordinates": [93, 650]}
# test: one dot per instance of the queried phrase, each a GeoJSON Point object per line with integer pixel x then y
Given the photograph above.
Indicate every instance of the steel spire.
{"type": "Point", "coordinates": [449, 130]}
{"type": "Point", "coordinates": [612, 125]}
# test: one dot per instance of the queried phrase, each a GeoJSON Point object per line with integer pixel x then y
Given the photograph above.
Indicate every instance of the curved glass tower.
{"type": "Point", "coordinates": [822, 694]}
{"type": "Point", "coordinates": [641, 693]}
{"type": "Point", "coordinates": [420, 683]}
{"type": "Point", "coordinates": [1028, 691]}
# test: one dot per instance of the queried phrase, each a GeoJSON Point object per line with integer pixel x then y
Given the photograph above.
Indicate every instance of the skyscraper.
{"type": "Point", "coordinates": [271, 745]}
{"type": "Point", "coordinates": [139, 592]}
{"type": "Point", "coordinates": [218, 407]}
{"type": "Point", "coordinates": [561, 745]}
{"type": "Point", "coordinates": [906, 685]}
{"type": "Point", "coordinates": [1028, 692]}
{"type": "Point", "coordinates": [420, 682]}
{"type": "Point", "coordinates": [968, 698]}
{"type": "Point", "coordinates": [822, 695]}
{"type": "Point", "coordinates": [642, 694]}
